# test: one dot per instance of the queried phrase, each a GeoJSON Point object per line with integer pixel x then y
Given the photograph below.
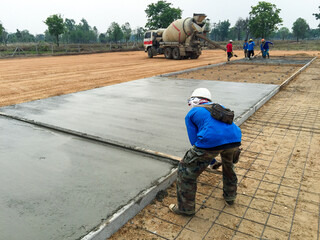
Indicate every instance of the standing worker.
{"type": "Point", "coordinates": [209, 137]}
{"type": "Point", "coordinates": [229, 50]}
{"type": "Point", "coordinates": [265, 48]}
{"type": "Point", "coordinates": [251, 48]}
{"type": "Point", "coordinates": [245, 48]}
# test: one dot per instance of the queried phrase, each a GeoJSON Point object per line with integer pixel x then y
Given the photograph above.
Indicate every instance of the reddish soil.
{"type": "Point", "coordinates": [27, 79]}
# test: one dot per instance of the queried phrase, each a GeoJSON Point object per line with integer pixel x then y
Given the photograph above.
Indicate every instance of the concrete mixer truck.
{"type": "Point", "coordinates": [181, 40]}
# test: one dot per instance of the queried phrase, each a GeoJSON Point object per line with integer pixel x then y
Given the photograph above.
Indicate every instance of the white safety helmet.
{"type": "Point", "coordinates": [201, 93]}
{"type": "Point", "coordinates": [230, 40]}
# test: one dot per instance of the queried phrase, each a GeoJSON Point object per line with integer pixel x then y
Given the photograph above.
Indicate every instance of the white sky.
{"type": "Point", "coordinates": [30, 15]}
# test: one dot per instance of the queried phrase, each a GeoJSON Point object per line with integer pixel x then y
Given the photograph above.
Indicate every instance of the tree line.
{"type": "Point", "coordinates": [263, 21]}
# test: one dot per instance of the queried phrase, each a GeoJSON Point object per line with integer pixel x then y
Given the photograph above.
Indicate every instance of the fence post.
{"type": "Point", "coordinates": [52, 49]}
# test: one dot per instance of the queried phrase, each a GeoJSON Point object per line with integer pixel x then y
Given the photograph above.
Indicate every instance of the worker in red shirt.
{"type": "Point", "coordinates": [229, 50]}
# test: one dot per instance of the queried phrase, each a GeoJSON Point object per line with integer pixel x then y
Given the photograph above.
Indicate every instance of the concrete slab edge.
{"type": "Point", "coordinates": [121, 217]}
{"type": "Point", "coordinates": [241, 119]}
{"type": "Point", "coordinates": [161, 156]}
{"type": "Point", "coordinates": [296, 73]}
{"type": "Point", "coordinates": [191, 70]}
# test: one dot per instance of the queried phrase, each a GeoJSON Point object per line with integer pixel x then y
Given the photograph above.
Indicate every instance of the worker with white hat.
{"type": "Point", "coordinates": [209, 138]}
{"type": "Point", "coordinates": [229, 50]}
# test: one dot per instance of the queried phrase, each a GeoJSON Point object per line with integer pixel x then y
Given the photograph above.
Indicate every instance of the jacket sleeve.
{"type": "Point", "coordinates": [191, 128]}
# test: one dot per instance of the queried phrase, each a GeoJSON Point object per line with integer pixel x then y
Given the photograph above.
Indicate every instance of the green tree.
{"type": "Point", "coordinates": [48, 37]}
{"type": "Point", "coordinates": [102, 38]}
{"type": "Point", "coordinates": [1, 31]}
{"type": "Point", "coordinates": [300, 28]}
{"type": "Point", "coordinates": [317, 15]}
{"type": "Point", "coordinates": [284, 33]}
{"type": "Point", "coordinates": [4, 37]}
{"type": "Point", "coordinates": [40, 38]}
{"type": "Point", "coordinates": [161, 14]}
{"type": "Point", "coordinates": [79, 33]}
{"type": "Point", "coordinates": [126, 29]}
{"type": "Point", "coordinates": [86, 33]}
{"type": "Point", "coordinates": [264, 19]}
{"type": "Point", "coordinates": [55, 25]}
{"type": "Point", "coordinates": [220, 30]}
{"type": "Point", "coordinates": [70, 26]}
{"type": "Point", "coordinates": [26, 36]}
{"type": "Point", "coordinates": [114, 32]}
{"type": "Point", "coordinates": [242, 28]}
{"type": "Point", "coordinates": [138, 34]}
{"type": "Point", "coordinates": [314, 33]}
{"type": "Point", "coordinates": [19, 35]}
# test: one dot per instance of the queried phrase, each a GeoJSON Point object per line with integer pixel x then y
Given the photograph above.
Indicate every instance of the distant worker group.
{"type": "Point", "coordinates": [248, 48]}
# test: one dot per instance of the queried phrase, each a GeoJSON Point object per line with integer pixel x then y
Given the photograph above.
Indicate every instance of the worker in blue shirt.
{"type": "Point", "coordinates": [245, 48]}
{"type": "Point", "coordinates": [265, 48]}
{"type": "Point", "coordinates": [209, 138]}
{"type": "Point", "coordinates": [251, 48]}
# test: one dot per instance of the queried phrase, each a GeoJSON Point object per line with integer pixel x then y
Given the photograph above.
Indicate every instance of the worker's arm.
{"type": "Point", "coordinates": [191, 128]}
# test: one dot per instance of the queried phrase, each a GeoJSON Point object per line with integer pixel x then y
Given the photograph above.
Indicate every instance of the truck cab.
{"type": "Point", "coordinates": [149, 36]}
{"type": "Point", "coordinates": [151, 42]}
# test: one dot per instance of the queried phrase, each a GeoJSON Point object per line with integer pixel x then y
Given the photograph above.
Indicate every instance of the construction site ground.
{"type": "Point", "coordinates": [278, 194]}
{"type": "Point", "coordinates": [278, 191]}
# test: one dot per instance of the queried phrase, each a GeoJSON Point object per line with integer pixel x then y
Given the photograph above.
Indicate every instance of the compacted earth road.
{"type": "Point", "coordinates": [27, 79]}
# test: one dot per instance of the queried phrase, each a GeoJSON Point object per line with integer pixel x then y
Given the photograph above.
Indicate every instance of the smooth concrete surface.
{"type": "Point", "coordinates": [148, 113]}
{"type": "Point", "coordinates": [58, 186]}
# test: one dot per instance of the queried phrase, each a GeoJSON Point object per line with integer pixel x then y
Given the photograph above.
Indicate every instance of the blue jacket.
{"type": "Point", "coordinates": [251, 46]}
{"type": "Point", "coordinates": [245, 46]}
{"type": "Point", "coordinates": [206, 132]}
{"type": "Point", "coordinates": [265, 46]}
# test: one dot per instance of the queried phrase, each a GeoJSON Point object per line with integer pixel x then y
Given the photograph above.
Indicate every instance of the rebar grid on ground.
{"type": "Point", "coordinates": [281, 118]}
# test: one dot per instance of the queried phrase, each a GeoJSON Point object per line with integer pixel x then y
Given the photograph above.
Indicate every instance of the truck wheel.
{"type": "Point", "coordinates": [194, 56]}
{"type": "Point", "coordinates": [176, 53]}
{"type": "Point", "coordinates": [168, 53]}
{"type": "Point", "coordinates": [150, 52]}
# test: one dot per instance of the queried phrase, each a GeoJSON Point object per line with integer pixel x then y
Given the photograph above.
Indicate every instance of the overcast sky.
{"type": "Point", "coordinates": [30, 14]}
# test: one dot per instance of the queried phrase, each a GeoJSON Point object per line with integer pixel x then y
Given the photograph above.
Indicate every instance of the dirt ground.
{"type": "Point", "coordinates": [28, 79]}
{"type": "Point", "coordinates": [278, 181]}
{"type": "Point", "coordinates": [278, 193]}
{"type": "Point", "coordinates": [272, 74]}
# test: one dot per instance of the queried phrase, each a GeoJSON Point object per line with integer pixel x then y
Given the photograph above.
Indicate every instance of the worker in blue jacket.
{"type": "Point", "coordinates": [251, 48]}
{"type": "Point", "coordinates": [209, 138]}
{"type": "Point", "coordinates": [265, 48]}
{"type": "Point", "coordinates": [245, 48]}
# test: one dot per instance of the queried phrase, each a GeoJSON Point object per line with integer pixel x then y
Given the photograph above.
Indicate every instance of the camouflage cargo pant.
{"type": "Point", "coordinates": [194, 162]}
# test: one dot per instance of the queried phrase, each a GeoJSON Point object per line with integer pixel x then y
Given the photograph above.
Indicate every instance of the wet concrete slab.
{"type": "Point", "coordinates": [148, 113]}
{"type": "Point", "coordinates": [59, 186]}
